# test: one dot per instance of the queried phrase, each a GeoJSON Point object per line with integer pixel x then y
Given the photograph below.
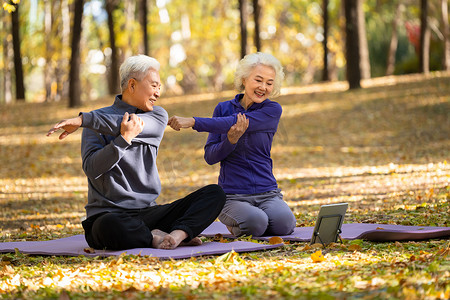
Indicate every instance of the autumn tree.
{"type": "Point", "coordinates": [257, 19]}
{"type": "Point", "coordinates": [446, 34]}
{"type": "Point", "coordinates": [48, 24]}
{"type": "Point", "coordinates": [352, 53]}
{"type": "Point", "coordinates": [143, 19]}
{"type": "Point", "coordinates": [6, 84]}
{"type": "Point", "coordinates": [424, 53]}
{"type": "Point", "coordinates": [74, 75]}
{"type": "Point", "coordinates": [243, 25]}
{"type": "Point", "coordinates": [113, 74]}
{"type": "Point", "coordinates": [325, 74]}
{"type": "Point", "coordinates": [394, 39]}
{"type": "Point", "coordinates": [364, 59]}
{"type": "Point", "coordinates": [18, 67]}
{"type": "Point", "coordinates": [56, 29]}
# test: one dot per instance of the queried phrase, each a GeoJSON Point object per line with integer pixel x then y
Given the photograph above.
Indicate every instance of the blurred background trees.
{"type": "Point", "coordinates": [72, 49]}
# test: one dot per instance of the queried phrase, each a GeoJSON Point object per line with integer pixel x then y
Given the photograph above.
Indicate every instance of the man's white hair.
{"type": "Point", "coordinates": [250, 61]}
{"type": "Point", "coordinates": [136, 67]}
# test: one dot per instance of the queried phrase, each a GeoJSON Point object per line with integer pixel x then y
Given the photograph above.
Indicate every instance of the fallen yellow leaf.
{"type": "Point", "coordinates": [275, 240]}
{"type": "Point", "coordinates": [354, 247]}
{"type": "Point", "coordinates": [317, 256]}
{"type": "Point", "coordinates": [228, 257]}
{"type": "Point", "coordinates": [307, 247]}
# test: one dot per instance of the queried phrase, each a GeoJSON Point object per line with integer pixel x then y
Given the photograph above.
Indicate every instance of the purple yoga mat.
{"type": "Point", "coordinates": [75, 245]}
{"type": "Point", "coordinates": [352, 231]}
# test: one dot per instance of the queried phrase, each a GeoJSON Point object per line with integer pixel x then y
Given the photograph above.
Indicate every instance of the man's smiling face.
{"type": "Point", "coordinates": [146, 91]}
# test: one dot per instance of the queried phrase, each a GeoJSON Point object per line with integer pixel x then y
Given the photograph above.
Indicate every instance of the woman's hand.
{"type": "Point", "coordinates": [238, 129]}
{"type": "Point", "coordinates": [179, 122]}
{"type": "Point", "coordinates": [131, 126]}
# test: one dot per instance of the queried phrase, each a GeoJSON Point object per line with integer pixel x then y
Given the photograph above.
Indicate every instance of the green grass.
{"type": "Point", "coordinates": [384, 149]}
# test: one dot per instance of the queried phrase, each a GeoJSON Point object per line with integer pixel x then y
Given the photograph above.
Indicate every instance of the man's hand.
{"type": "Point", "coordinates": [69, 126]}
{"type": "Point", "coordinates": [131, 126]}
{"type": "Point", "coordinates": [238, 129]}
{"type": "Point", "coordinates": [179, 122]}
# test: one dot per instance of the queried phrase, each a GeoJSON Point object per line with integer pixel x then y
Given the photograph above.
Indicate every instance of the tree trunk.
{"type": "Point", "coordinates": [363, 44]}
{"type": "Point", "coordinates": [244, 17]}
{"type": "Point", "coordinates": [113, 78]}
{"type": "Point", "coordinates": [74, 75]}
{"type": "Point", "coordinates": [325, 73]}
{"type": "Point", "coordinates": [424, 59]}
{"type": "Point", "coordinates": [143, 11]}
{"type": "Point", "coordinates": [48, 49]}
{"type": "Point", "coordinates": [61, 68]}
{"type": "Point", "coordinates": [130, 10]}
{"type": "Point", "coordinates": [446, 33]}
{"type": "Point", "coordinates": [352, 44]}
{"type": "Point", "coordinates": [6, 71]}
{"type": "Point", "coordinates": [257, 18]}
{"type": "Point", "coordinates": [18, 67]}
{"type": "Point", "coordinates": [394, 40]}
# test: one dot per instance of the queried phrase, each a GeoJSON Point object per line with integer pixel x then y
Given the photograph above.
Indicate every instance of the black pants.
{"type": "Point", "coordinates": [132, 228]}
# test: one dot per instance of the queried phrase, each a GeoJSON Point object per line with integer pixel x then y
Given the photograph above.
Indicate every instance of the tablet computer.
{"type": "Point", "coordinates": [329, 223]}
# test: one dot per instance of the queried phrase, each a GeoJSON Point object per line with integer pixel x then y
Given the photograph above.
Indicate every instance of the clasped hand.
{"type": "Point", "coordinates": [131, 126]}
{"type": "Point", "coordinates": [180, 122]}
{"type": "Point", "coordinates": [238, 129]}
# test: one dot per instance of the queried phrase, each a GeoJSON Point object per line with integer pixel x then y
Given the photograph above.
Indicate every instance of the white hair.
{"type": "Point", "coordinates": [250, 61]}
{"type": "Point", "coordinates": [136, 67]}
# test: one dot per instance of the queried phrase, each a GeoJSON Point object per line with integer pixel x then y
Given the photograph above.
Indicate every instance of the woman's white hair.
{"type": "Point", "coordinates": [136, 67]}
{"type": "Point", "coordinates": [250, 61]}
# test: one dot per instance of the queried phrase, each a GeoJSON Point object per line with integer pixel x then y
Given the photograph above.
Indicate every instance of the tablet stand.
{"type": "Point", "coordinates": [335, 229]}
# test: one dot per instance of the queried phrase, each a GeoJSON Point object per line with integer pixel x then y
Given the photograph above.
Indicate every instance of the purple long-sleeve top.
{"type": "Point", "coordinates": [245, 167]}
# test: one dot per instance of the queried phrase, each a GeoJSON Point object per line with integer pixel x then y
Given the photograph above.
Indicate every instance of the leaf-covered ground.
{"type": "Point", "coordinates": [384, 149]}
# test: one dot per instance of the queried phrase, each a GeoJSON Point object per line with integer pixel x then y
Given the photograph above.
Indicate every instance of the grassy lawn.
{"type": "Point", "coordinates": [384, 149]}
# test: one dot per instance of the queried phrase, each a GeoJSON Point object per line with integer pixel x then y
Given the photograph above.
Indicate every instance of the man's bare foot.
{"type": "Point", "coordinates": [164, 240]}
{"type": "Point", "coordinates": [168, 243]}
{"type": "Point", "coordinates": [194, 242]}
{"type": "Point", "coordinates": [158, 238]}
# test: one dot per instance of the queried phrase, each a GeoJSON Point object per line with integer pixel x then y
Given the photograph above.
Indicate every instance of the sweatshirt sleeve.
{"type": "Point", "coordinates": [217, 147]}
{"type": "Point", "coordinates": [264, 119]}
{"type": "Point", "coordinates": [109, 124]}
{"type": "Point", "coordinates": [98, 157]}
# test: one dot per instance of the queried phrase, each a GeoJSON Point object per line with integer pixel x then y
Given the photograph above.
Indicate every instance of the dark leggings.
{"type": "Point", "coordinates": [132, 228]}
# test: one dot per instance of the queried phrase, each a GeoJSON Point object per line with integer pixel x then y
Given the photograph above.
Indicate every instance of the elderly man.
{"type": "Point", "coordinates": [119, 148]}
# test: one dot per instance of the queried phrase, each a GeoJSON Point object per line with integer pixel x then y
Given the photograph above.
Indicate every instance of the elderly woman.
{"type": "Point", "coordinates": [240, 138]}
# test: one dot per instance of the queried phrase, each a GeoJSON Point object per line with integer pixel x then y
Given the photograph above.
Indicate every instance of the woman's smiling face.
{"type": "Point", "coordinates": [258, 85]}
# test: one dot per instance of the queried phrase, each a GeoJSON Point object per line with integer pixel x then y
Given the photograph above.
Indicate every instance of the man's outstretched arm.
{"type": "Point", "coordinates": [130, 126]}
{"type": "Point", "coordinates": [69, 126]}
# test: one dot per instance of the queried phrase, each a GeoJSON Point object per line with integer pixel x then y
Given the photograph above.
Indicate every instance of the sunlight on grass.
{"type": "Point", "coordinates": [38, 138]}
{"type": "Point", "coordinates": [126, 274]}
{"type": "Point", "coordinates": [383, 149]}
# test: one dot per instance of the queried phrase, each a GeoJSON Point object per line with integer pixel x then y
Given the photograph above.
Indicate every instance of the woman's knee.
{"type": "Point", "coordinates": [282, 224]}
{"type": "Point", "coordinates": [255, 223]}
